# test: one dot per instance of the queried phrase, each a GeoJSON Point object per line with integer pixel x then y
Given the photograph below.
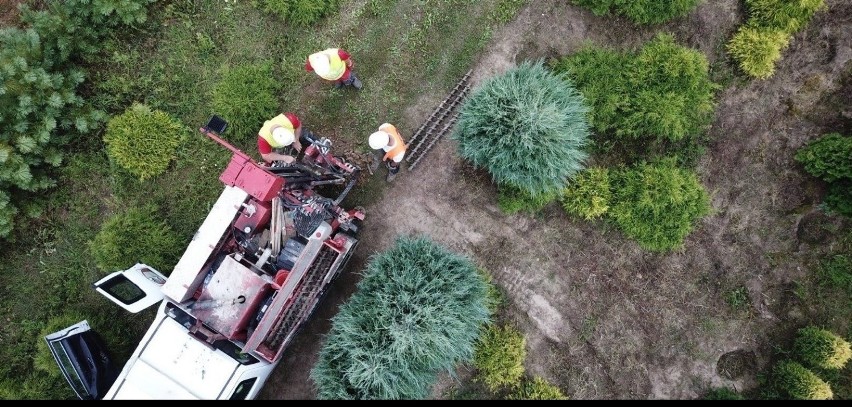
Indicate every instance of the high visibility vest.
{"type": "Point", "coordinates": [278, 121]}
{"type": "Point", "coordinates": [336, 66]}
{"type": "Point", "coordinates": [398, 146]}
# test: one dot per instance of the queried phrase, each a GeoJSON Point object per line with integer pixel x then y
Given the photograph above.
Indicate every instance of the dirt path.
{"type": "Point", "coordinates": [604, 319]}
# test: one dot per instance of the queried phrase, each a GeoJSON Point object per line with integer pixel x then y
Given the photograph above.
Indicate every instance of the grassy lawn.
{"type": "Point", "coordinates": [402, 50]}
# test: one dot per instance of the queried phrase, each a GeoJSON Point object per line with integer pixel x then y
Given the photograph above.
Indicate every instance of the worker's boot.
{"type": "Point", "coordinates": [393, 169]}
{"type": "Point", "coordinates": [353, 81]}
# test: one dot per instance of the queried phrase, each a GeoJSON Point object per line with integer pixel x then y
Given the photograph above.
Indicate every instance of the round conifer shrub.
{"type": "Point", "coordinates": [658, 204]}
{"type": "Point", "coordinates": [757, 49]}
{"type": "Point", "coordinates": [527, 127]}
{"type": "Point", "coordinates": [418, 310]}
{"type": "Point", "coordinates": [245, 98]}
{"type": "Point", "coordinates": [821, 348]}
{"type": "Point", "coordinates": [499, 357]}
{"type": "Point", "coordinates": [799, 383]}
{"type": "Point", "coordinates": [137, 235]}
{"type": "Point", "coordinates": [144, 141]}
{"type": "Point", "coordinates": [828, 158]}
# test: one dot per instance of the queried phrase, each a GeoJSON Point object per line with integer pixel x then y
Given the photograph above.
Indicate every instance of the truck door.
{"type": "Point", "coordinates": [133, 289]}
{"type": "Point", "coordinates": [83, 360]}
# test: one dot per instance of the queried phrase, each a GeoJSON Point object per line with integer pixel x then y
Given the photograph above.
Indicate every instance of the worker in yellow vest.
{"type": "Point", "coordinates": [278, 136]}
{"type": "Point", "coordinates": [388, 142]}
{"type": "Point", "coordinates": [333, 64]}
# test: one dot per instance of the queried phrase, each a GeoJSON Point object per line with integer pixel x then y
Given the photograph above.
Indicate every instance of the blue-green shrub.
{"type": "Point", "coordinates": [418, 311]}
{"type": "Point", "coordinates": [527, 127]}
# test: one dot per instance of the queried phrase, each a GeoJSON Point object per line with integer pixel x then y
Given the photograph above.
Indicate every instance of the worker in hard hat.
{"type": "Point", "coordinates": [279, 135]}
{"type": "Point", "coordinates": [333, 64]}
{"type": "Point", "coordinates": [387, 141]}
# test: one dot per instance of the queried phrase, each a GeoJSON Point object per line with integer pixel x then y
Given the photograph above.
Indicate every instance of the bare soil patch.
{"type": "Point", "coordinates": [9, 12]}
{"type": "Point", "coordinates": [603, 318]}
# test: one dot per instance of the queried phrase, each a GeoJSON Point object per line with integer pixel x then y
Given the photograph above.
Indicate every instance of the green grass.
{"type": "Point", "coordinates": [173, 63]}
{"type": "Point", "coordinates": [738, 298]}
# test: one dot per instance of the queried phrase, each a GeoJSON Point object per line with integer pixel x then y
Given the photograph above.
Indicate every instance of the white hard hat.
{"type": "Point", "coordinates": [379, 139]}
{"type": "Point", "coordinates": [319, 62]}
{"type": "Point", "coordinates": [283, 136]}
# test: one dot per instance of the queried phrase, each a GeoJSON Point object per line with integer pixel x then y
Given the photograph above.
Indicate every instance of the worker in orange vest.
{"type": "Point", "coordinates": [280, 133]}
{"type": "Point", "coordinates": [387, 141]}
{"type": "Point", "coordinates": [333, 64]}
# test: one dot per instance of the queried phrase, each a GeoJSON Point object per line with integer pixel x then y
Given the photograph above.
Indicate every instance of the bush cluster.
{"type": "Point", "coordinates": [527, 127]}
{"type": "Point", "coordinates": [136, 235]}
{"type": "Point", "coordinates": [143, 141]}
{"type": "Point", "coordinates": [786, 15]}
{"type": "Point", "coordinates": [758, 44]}
{"type": "Point", "coordinates": [245, 96]}
{"type": "Point", "coordinates": [418, 310]}
{"type": "Point", "coordinates": [641, 11]}
{"type": "Point", "coordinates": [658, 203]}
{"type": "Point", "coordinates": [836, 271]}
{"type": "Point", "coordinates": [662, 92]}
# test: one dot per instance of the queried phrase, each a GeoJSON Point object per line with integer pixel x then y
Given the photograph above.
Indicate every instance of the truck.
{"type": "Point", "coordinates": [251, 276]}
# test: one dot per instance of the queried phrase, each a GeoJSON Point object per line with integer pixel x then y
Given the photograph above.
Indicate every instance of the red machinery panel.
{"type": "Point", "coordinates": [258, 215]}
{"type": "Point", "coordinates": [258, 182]}
{"type": "Point", "coordinates": [229, 176]}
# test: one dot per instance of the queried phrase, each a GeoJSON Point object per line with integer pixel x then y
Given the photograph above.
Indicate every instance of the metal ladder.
{"type": "Point", "coordinates": [429, 132]}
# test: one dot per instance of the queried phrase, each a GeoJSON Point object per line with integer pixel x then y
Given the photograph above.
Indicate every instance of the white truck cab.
{"type": "Point", "coordinates": [252, 274]}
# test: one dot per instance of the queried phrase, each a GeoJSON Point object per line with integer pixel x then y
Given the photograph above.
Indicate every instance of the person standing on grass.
{"type": "Point", "coordinates": [334, 64]}
{"type": "Point", "coordinates": [387, 141]}
{"type": "Point", "coordinates": [277, 136]}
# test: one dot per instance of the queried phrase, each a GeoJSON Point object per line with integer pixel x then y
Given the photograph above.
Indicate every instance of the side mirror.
{"type": "Point", "coordinates": [216, 125]}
